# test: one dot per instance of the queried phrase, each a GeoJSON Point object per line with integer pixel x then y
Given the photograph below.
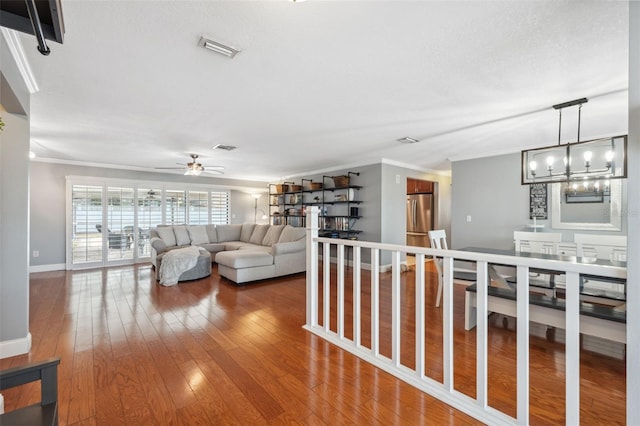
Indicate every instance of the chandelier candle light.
{"type": "Point", "coordinates": [593, 160]}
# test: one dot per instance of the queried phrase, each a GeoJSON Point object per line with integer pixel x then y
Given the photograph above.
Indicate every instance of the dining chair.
{"type": "Point", "coordinates": [438, 240]}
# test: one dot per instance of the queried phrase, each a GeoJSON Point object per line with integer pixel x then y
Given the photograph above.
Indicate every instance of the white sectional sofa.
{"type": "Point", "coordinates": [244, 253]}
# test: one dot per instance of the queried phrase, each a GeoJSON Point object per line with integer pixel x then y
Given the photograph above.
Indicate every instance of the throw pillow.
{"type": "Point", "coordinates": [228, 232]}
{"type": "Point", "coordinates": [272, 235]}
{"type": "Point", "coordinates": [167, 235]}
{"type": "Point", "coordinates": [212, 233]}
{"type": "Point", "coordinates": [290, 234]}
{"type": "Point", "coordinates": [247, 230]}
{"type": "Point", "coordinates": [198, 235]}
{"type": "Point", "coordinates": [182, 236]}
{"type": "Point", "coordinates": [258, 234]}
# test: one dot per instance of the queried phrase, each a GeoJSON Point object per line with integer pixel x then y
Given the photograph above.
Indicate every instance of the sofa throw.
{"type": "Point", "coordinates": [176, 262]}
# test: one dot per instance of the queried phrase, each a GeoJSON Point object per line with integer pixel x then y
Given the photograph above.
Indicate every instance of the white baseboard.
{"type": "Point", "coordinates": [47, 268]}
{"type": "Point", "coordinates": [14, 347]}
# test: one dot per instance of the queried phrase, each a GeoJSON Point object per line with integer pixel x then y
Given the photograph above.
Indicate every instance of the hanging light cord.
{"type": "Point", "coordinates": [559, 125]}
{"type": "Point", "coordinates": [579, 115]}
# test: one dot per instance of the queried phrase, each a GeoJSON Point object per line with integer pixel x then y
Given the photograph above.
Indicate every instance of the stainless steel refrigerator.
{"type": "Point", "coordinates": [419, 219]}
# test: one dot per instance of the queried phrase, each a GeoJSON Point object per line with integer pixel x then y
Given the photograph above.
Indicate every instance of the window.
{"type": "Point", "coordinates": [175, 204]}
{"type": "Point", "coordinates": [109, 222]}
{"type": "Point", "coordinates": [86, 224]}
{"type": "Point", "coordinates": [120, 223]}
{"type": "Point", "coordinates": [198, 208]}
{"type": "Point", "coordinates": [220, 207]}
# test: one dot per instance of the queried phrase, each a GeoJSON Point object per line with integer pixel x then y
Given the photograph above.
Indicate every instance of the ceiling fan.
{"type": "Point", "coordinates": [194, 168]}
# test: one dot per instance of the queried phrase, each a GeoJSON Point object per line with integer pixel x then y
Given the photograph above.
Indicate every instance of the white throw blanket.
{"type": "Point", "coordinates": [175, 262]}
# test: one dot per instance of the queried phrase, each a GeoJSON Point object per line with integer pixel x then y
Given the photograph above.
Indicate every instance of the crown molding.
{"type": "Point", "coordinates": [17, 52]}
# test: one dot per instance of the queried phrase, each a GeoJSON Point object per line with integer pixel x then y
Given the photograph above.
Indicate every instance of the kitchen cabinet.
{"type": "Point", "coordinates": [417, 186]}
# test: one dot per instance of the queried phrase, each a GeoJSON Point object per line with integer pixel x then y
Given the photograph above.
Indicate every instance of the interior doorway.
{"type": "Point", "coordinates": [420, 207]}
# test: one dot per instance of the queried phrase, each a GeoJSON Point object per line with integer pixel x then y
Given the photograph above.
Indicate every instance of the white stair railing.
{"type": "Point", "coordinates": [477, 407]}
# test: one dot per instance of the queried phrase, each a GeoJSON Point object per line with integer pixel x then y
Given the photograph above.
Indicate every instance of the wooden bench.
{"type": "Point", "coordinates": [605, 322]}
{"type": "Point", "coordinates": [44, 413]}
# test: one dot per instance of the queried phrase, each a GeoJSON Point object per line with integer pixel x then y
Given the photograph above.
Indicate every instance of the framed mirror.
{"type": "Point", "coordinates": [602, 213]}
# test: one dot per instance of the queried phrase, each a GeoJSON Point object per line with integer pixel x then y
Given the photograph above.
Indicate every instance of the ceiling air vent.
{"type": "Point", "coordinates": [407, 139]}
{"type": "Point", "coordinates": [224, 147]}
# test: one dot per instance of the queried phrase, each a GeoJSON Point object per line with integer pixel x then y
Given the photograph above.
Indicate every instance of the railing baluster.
{"type": "Point", "coordinates": [572, 348]}
{"type": "Point", "coordinates": [340, 267]}
{"type": "Point", "coordinates": [420, 316]}
{"type": "Point", "coordinates": [395, 307]}
{"type": "Point", "coordinates": [482, 304]}
{"type": "Point", "coordinates": [522, 350]}
{"type": "Point", "coordinates": [357, 305]}
{"type": "Point", "coordinates": [447, 323]}
{"type": "Point", "coordinates": [326, 285]}
{"type": "Point", "coordinates": [375, 301]}
{"type": "Point", "coordinates": [312, 266]}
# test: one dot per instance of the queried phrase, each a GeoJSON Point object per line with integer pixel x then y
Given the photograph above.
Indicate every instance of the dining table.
{"type": "Point", "coordinates": [500, 280]}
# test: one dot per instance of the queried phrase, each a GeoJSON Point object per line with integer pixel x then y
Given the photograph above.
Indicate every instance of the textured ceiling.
{"type": "Point", "coordinates": [323, 84]}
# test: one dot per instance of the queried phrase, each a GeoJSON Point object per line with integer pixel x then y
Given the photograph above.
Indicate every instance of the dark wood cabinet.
{"type": "Point", "coordinates": [417, 186]}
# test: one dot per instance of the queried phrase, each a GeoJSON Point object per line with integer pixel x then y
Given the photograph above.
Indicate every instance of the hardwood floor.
{"type": "Point", "coordinates": [208, 352]}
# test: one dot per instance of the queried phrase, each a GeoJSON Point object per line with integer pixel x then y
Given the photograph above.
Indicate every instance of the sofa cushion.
{"type": "Point", "coordinates": [198, 235]}
{"type": "Point", "coordinates": [290, 234]}
{"type": "Point", "coordinates": [212, 233]}
{"type": "Point", "coordinates": [212, 247]}
{"type": "Point", "coordinates": [247, 230]}
{"type": "Point", "coordinates": [244, 259]}
{"type": "Point", "coordinates": [167, 235]}
{"type": "Point", "coordinates": [182, 236]}
{"type": "Point", "coordinates": [272, 235]}
{"type": "Point", "coordinates": [228, 232]}
{"type": "Point", "coordinates": [259, 231]}
{"type": "Point", "coordinates": [235, 245]}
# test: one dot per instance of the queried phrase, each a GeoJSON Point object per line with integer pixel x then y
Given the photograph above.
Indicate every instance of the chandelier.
{"type": "Point", "coordinates": [594, 160]}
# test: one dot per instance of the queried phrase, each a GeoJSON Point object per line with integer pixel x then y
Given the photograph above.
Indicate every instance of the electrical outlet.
{"type": "Point", "coordinates": [36, 253]}
{"type": "Point", "coordinates": [468, 218]}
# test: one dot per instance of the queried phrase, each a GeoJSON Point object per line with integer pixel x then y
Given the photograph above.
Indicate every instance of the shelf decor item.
{"type": "Point", "coordinates": [340, 181]}
{"type": "Point", "coordinates": [281, 187]}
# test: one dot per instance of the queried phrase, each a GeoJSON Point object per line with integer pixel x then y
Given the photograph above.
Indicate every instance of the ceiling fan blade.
{"type": "Point", "coordinates": [169, 168]}
{"type": "Point", "coordinates": [213, 172]}
{"type": "Point", "coordinates": [214, 167]}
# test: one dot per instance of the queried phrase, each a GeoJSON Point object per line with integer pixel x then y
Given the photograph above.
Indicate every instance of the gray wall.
{"type": "Point", "coordinates": [383, 207]}
{"type": "Point", "coordinates": [393, 205]}
{"type": "Point", "coordinates": [14, 214]}
{"type": "Point", "coordinates": [48, 186]}
{"type": "Point", "coordinates": [489, 190]}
